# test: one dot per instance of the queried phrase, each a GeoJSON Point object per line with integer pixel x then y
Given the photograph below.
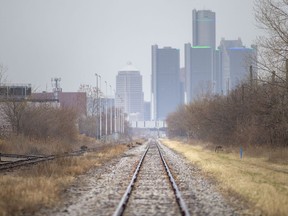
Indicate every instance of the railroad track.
{"type": "Point", "coordinates": [152, 189]}
{"type": "Point", "coordinates": [25, 160]}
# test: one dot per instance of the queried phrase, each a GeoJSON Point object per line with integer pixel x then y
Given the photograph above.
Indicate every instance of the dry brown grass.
{"type": "Point", "coordinates": [23, 145]}
{"type": "Point", "coordinates": [41, 185]}
{"type": "Point", "coordinates": [262, 183]}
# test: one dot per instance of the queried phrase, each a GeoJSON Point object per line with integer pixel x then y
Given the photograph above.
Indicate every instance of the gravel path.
{"type": "Point", "coordinates": [99, 191]}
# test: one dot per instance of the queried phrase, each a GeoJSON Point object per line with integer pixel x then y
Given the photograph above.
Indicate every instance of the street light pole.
{"type": "Point", "coordinates": [106, 112]}
{"type": "Point", "coordinates": [123, 122]}
{"type": "Point", "coordinates": [119, 114]}
{"type": "Point", "coordinates": [120, 120]}
{"type": "Point", "coordinates": [111, 107]}
{"type": "Point", "coordinates": [100, 111]}
{"type": "Point", "coordinates": [97, 112]}
{"type": "Point", "coordinates": [115, 112]}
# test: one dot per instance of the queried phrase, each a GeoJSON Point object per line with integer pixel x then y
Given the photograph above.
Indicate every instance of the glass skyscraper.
{"type": "Point", "coordinates": [204, 28]}
{"type": "Point", "coordinates": [165, 81]}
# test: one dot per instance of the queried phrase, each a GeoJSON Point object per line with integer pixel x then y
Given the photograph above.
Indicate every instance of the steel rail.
{"type": "Point", "coordinates": [121, 206]}
{"type": "Point", "coordinates": [28, 161]}
{"type": "Point", "coordinates": [20, 156]}
{"type": "Point", "coordinates": [5, 165]}
{"type": "Point", "coordinates": [180, 201]}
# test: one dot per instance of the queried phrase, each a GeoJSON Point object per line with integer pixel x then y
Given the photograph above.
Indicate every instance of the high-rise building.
{"type": "Point", "coordinates": [200, 67]}
{"type": "Point", "coordinates": [236, 61]}
{"type": "Point", "coordinates": [129, 92]}
{"type": "Point", "coordinates": [182, 84]}
{"type": "Point", "coordinates": [209, 70]}
{"type": "Point", "coordinates": [147, 111]}
{"type": "Point", "coordinates": [217, 73]}
{"type": "Point", "coordinates": [165, 81]}
{"type": "Point", "coordinates": [204, 28]}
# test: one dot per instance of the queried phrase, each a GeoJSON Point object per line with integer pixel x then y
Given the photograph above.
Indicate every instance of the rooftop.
{"type": "Point", "coordinates": [129, 67]}
{"type": "Point", "coordinates": [201, 47]}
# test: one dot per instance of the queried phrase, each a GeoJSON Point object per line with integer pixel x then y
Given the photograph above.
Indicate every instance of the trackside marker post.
{"type": "Point", "coordinates": [241, 153]}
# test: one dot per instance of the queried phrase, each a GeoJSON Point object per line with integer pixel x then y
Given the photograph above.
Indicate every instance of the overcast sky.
{"type": "Point", "coordinates": [74, 39]}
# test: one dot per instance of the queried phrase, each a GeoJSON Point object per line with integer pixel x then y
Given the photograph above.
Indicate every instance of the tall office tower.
{"type": "Point", "coordinates": [165, 81]}
{"type": "Point", "coordinates": [236, 61]}
{"type": "Point", "coordinates": [147, 111]}
{"type": "Point", "coordinates": [182, 85]}
{"type": "Point", "coordinates": [217, 73]}
{"type": "Point", "coordinates": [204, 28]}
{"type": "Point", "coordinates": [129, 93]}
{"type": "Point", "coordinates": [199, 67]}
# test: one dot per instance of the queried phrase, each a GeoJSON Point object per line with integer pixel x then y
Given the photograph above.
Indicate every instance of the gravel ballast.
{"type": "Point", "coordinates": [99, 191]}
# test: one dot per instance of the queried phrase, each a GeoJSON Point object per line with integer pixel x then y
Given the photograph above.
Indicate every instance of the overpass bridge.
{"type": "Point", "coordinates": [148, 128]}
{"type": "Point", "coordinates": [148, 124]}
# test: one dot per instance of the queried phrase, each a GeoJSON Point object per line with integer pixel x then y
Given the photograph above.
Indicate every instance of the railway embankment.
{"type": "Point", "coordinates": [260, 183]}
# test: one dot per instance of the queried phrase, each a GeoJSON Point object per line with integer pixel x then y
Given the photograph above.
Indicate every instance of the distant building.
{"type": "Point", "coordinates": [204, 28]}
{"type": "Point", "coordinates": [15, 91]}
{"type": "Point", "coordinates": [76, 101]}
{"type": "Point", "coordinates": [236, 60]}
{"type": "Point", "coordinates": [147, 111]}
{"type": "Point", "coordinates": [214, 71]}
{"type": "Point", "coordinates": [165, 81]}
{"type": "Point", "coordinates": [202, 65]}
{"type": "Point", "coordinates": [129, 92]}
{"type": "Point", "coordinates": [182, 77]}
{"type": "Point", "coordinates": [199, 68]}
{"type": "Point", "coordinates": [217, 73]}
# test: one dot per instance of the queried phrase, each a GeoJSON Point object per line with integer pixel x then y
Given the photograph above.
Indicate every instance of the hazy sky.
{"type": "Point", "coordinates": [73, 39]}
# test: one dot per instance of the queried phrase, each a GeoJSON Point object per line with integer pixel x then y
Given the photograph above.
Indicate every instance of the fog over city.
{"type": "Point", "coordinates": [144, 107]}
{"type": "Point", "coordinates": [74, 39]}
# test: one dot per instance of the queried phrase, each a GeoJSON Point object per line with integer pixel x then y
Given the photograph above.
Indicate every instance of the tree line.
{"type": "Point", "coordinates": [38, 122]}
{"type": "Point", "coordinates": [256, 112]}
{"type": "Point", "coordinates": [252, 114]}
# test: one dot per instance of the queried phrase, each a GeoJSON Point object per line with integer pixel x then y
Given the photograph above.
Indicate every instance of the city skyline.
{"type": "Point", "coordinates": [45, 39]}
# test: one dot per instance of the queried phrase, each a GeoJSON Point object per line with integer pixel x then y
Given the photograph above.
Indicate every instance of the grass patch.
{"type": "Point", "coordinates": [31, 188]}
{"type": "Point", "coordinates": [262, 183]}
{"type": "Point", "coordinates": [23, 145]}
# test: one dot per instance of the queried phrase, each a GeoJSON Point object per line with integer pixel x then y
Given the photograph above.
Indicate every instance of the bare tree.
{"type": "Point", "coordinates": [93, 98]}
{"type": "Point", "coordinates": [272, 18]}
{"type": "Point", "coordinates": [3, 77]}
{"type": "Point", "coordinates": [12, 112]}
